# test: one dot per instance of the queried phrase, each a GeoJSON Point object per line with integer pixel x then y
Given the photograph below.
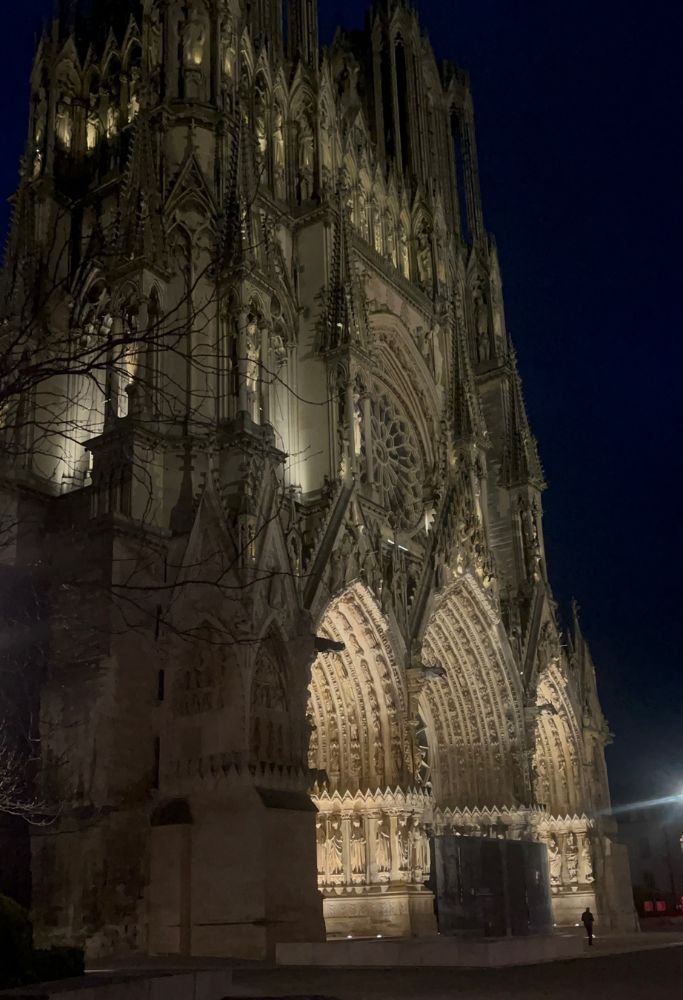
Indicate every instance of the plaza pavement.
{"type": "Point", "coordinates": [630, 967]}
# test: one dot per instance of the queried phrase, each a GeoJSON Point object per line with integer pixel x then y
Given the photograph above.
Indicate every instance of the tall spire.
{"type": "Point", "coordinates": [521, 462]}
{"type": "Point", "coordinates": [141, 231]}
{"type": "Point", "coordinates": [344, 318]}
{"type": "Point", "coordinates": [303, 32]}
{"type": "Point", "coordinates": [266, 22]}
{"type": "Point", "coordinates": [468, 419]}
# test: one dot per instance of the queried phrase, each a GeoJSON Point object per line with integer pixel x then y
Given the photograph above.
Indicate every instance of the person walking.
{"type": "Point", "coordinates": [587, 919]}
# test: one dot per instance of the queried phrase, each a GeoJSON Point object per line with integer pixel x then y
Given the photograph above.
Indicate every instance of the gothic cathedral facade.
{"type": "Point", "coordinates": [268, 451]}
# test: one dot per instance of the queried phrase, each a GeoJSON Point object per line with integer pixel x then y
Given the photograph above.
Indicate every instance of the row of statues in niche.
{"type": "Point", "coordinates": [358, 848]}
{"type": "Point", "coordinates": [266, 356]}
{"type": "Point", "coordinates": [271, 156]}
{"type": "Point", "coordinates": [389, 240]}
{"type": "Point", "coordinates": [81, 125]}
{"type": "Point", "coordinates": [570, 861]}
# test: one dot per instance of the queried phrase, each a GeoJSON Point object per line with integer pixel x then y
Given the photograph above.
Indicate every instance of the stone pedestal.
{"type": "Point", "coordinates": [568, 906]}
{"type": "Point", "coordinates": [237, 878]}
{"type": "Point", "coordinates": [391, 912]}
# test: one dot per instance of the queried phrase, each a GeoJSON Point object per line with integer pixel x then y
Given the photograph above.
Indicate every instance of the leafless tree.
{"type": "Point", "coordinates": [84, 353]}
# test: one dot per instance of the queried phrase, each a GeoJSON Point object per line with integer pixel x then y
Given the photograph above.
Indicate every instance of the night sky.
{"type": "Point", "coordinates": [578, 110]}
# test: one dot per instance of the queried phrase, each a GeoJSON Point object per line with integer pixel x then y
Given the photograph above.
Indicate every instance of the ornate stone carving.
{"type": "Point", "coordinates": [358, 845]}
{"type": "Point", "coordinates": [398, 471]}
{"type": "Point", "coordinates": [554, 862]}
{"type": "Point", "coordinates": [334, 864]}
{"type": "Point", "coordinates": [571, 857]}
{"type": "Point", "coordinates": [587, 860]}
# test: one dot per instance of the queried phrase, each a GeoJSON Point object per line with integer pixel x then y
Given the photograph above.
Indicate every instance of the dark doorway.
{"type": "Point", "coordinates": [489, 887]}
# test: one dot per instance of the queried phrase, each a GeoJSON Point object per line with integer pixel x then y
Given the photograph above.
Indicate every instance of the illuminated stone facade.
{"type": "Point", "coordinates": [316, 428]}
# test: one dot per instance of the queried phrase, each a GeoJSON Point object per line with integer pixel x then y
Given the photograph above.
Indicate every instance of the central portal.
{"type": "Point", "coordinates": [372, 798]}
{"type": "Point", "coordinates": [409, 749]}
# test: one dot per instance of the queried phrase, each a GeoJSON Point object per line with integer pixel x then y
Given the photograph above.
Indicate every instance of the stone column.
{"type": "Point", "coordinates": [346, 848]}
{"type": "Point", "coordinates": [394, 96]}
{"type": "Point", "coordinates": [370, 851]}
{"type": "Point", "coordinates": [377, 81]}
{"type": "Point", "coordinates": [367, 435]}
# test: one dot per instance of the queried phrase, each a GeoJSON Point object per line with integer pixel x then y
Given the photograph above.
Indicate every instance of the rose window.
{"type": "Point", "coordinates": [397, 466]}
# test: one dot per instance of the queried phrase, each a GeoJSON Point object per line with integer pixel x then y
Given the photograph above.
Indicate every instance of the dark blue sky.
{"type": "Point", "coordinates": [578, 109]}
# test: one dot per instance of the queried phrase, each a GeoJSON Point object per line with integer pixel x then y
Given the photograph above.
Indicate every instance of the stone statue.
{"type": "Point", "coordinates": [403, 844]}
{"type": "Point", "coordinates": [334, 843]}
{"type": "Point", "coordinates": [261, 140]}
{"type": "Point", "coordinates": [481, 324]}
{"type": "Point", "coordinates": [253, 367]}
{"type": "Point", "coordinates": [357, 423]}
{"type": "Point", "coordinates": [571, 853]}
{"type": "Point", "coordinates": [554, 862]}
{"type": "Point", "coordinates": [379, 759]}
{"type": "Point", "coordinates": [279, 155]}
{"type": "Point", "coordinates": [390, 239]}
{"type": "Point", "coordinates": [279, 348]}
{"type": "Point", "coordinates": [424, 259]}
{"type": "Point", "coordinates": [334, 847]}
{"type": "Point", "coordinates": [404, 253]}
{"type": "Point", "coordinates": [227, 45]}
{"type": "Point", "coordinates": [383, 844]}
{"type": "Point", "coordinates": [305, 164]}
{"type": "Point", "coordinates": [377, 229]}
{"type": "Point", "coordinates": [64, 124]}
{"type": "Point", "coordinates": [194, 41]}
{"type": "Point", "coordinates": [418, 849]}
{"type": "Point", "coordinates": [587, 858]}
{"type": "Point", "coordinates": [134, 94]}
{"type": "Point", "coordinates": [397, 756]}
{"type": "Point", "coordinates": [320, 842]}
{"type": "Point", "coordinates": [155, 53]}
{"type": "Point", "coordinates": [93, 124]}
{"type": "Point", "coordinates": [358, 846]}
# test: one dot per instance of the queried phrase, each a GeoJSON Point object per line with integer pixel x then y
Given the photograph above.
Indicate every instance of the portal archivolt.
{"type": "Point", "coordinates": [473, 713]}
{"type": "Point", "coordinates": [358, 699]}
{"type": "Point", "coordinates": [556, 763]}
{"type": "Point", "coordinates": [460, 731]}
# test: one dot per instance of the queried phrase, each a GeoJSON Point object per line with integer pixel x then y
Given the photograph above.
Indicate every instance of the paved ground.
{"type": "Point", "coordinates": [654, 972]}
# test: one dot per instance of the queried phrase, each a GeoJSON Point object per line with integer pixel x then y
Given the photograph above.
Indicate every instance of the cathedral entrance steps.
{"type": "Point", "coordinates": [432, 952]}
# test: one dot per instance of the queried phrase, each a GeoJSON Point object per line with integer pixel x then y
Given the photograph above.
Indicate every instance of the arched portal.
{"type": "Point", "coordinates": [372, 850]}
{"type": "Point", "coordinates": [473, 712]}
{"type": "Point", "coordinates": [556, 762]}
{"type": "Point", "coordinates": [358, 699]}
